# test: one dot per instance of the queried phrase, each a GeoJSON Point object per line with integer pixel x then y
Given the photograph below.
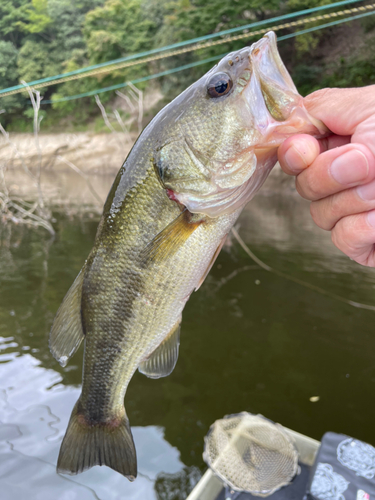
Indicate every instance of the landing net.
{"type": "Point", "coordinates": [250, 453]}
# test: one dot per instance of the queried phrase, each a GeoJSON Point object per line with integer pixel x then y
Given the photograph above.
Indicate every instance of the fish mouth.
{"type": "Point", "coordinates": [268, 65]}
{"type": "Point", "coordinates": [277, 106]}
{"type": "Point", "coordinates": [276, 93]}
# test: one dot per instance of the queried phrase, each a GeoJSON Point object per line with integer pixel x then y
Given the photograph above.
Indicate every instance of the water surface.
{"type": "Point", "coordinates": [251, 340]}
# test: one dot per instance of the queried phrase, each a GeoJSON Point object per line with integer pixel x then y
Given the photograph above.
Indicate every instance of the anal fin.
{"type": "Point", "coordinates": [66, 333]}
{"type": "Point", "coordinates": [162, 361]}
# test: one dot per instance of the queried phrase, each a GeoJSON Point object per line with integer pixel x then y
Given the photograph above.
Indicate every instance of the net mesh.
{"type": "Point", "coordinates": [250, 453]}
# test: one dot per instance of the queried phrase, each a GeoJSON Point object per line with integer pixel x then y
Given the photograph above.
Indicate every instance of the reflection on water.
{"type": "Point", "coordinates": [34, 413]}
{"type": "Point", "coordinates": [251, 341]}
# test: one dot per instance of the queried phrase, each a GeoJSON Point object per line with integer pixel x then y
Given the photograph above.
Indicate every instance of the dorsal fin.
{"type": "Point", "coordinates": [66, 332]}
{"type": "Point", "coordinates": [163, 360]}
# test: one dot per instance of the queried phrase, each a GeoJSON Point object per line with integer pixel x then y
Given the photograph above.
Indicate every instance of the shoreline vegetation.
{"type": "Point", "coordinates": [34, 169]}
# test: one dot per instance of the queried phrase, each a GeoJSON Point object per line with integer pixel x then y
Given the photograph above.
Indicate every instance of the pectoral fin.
{"type": "Point", "coordinates": [66, 333]}
{"type": "Point", "coordinates": [168, 241]}
{"type": "Point", "coordinates": [162, 361]}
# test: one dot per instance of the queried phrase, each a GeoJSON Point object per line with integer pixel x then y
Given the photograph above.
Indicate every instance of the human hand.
{"type": "Point", "coordinates": [338, 173]}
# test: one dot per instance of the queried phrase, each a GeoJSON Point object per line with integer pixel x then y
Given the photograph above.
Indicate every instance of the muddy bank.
{"type": "Point", "coordinates": [92, 153]}
{"type": "Point", "coordinates": [75, 169]}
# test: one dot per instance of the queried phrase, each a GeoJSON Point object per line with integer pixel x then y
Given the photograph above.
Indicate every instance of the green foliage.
{"type": "Point", "coordinates": [350, 72]}
{"type": "Point", "coordinates": [306, 77]}
{"type": "Point", "coordinates": [37, 18]}
{"type": "Point", "coordinates": [41, 38]}
{"type": "Point", "coordinates": [118, 28]}
{"type": "Point", "coordinates": [8, 68]}
{"type": "Point", "coordinates": [32, 59]}
{"type": "Point", "coordinates": [8, 62]}
{"type": "Point", "coordinates": [12, 15]}
{"type": "Point", "coordinates": [199, 17]}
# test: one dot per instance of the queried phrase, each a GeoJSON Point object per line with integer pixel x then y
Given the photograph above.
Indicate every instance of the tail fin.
{"type": "Point", "coordinates": [85, 445]}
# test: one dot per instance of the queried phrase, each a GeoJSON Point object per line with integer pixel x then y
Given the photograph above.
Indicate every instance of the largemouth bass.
{"type": "Point", "coordinates": [172, 204]}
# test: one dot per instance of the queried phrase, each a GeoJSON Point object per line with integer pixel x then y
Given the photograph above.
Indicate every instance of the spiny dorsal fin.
{"type": "Point", "coordinates": [212, 261]}
{"type": "Point", "coordinates": [66, 332]}
{"type": "Point", "coordinates": [169, 240]}
{"type": "Point", "coordinates": [162, 361]}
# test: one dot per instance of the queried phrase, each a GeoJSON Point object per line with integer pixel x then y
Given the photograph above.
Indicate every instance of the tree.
{"type": "Point", "coordinates": [118, 28]}
{"type": "Point", "coordinates": [12, 14]}
{"type": "Point", "coordinates": [8, 69]}
{"type": "Point", "coordinates": [36, 17]}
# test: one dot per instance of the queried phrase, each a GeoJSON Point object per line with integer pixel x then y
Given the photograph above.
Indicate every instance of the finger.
{"type": "Point", "coordinates": [300, 151]}
{"type": "Point", "coordinates": [297, 153]}
{"type": "Point", "coordinates": [342, 109]}
{"type": "Point", "coordinates": [355, 236]}
{"type": "Point", "coordinates": [336, 170]}
{"type": "Point", "coordinates": [328, 211]}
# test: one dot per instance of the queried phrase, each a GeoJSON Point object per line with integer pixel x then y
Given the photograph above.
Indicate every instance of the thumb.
{"type": "Point", "coordinates": [342, 110]}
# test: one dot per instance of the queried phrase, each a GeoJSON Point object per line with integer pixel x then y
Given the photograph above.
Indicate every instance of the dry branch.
{"type": "Point", "coordinates": [11, 208]}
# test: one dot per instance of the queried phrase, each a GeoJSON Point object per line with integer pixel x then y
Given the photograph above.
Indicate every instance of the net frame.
{"type": "Point", "coordinates": [233, 447]}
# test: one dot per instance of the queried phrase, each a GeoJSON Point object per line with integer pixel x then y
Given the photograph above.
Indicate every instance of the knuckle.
{"type": "Point", "coordinates": [299, 188]}
{"type": "Point", "coordinates": [339, 240]}
{"type": "Point", "coordinates": [302, 188]}
{"type": "Point", "coordinates": [335, 236]}
{"type": "Point", "coordinates": [314, 212]}
{"type": "Point", "coordinates": [346, 235]}
{"type": "Point", "coordinates": [309, 187]}
{"type": "Point", "coordinates": [335, 208]}
{"type": "Point", "coordinates": [320, 215]}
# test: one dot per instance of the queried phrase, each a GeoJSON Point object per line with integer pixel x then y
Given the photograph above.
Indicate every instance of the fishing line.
{"type": "Point", "coordinates": [138, 80]}
{"type": "Point", "coordinates": [197, 63]}
{"type": "Point", "coordinates": [137, 58]}
{"type": "Point", "coordinates": [315, 288]}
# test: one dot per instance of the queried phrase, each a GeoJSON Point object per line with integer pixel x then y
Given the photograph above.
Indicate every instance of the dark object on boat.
{"type": "Point", "coordinates": [344, 469]}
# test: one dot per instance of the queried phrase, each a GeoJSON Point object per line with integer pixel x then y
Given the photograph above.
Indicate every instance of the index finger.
{"type": "Point", "coordinates": [341, 110]}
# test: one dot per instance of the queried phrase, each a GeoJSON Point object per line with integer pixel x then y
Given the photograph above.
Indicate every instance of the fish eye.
{"type": "Point", "coordinates": [219, 84]}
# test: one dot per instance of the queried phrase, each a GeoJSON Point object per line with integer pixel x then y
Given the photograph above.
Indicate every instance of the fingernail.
{"type": "Point", "coordinates": [293, 159]}
{"type": "Point", "coordinates": [350, 168]}
{"type": "Point", "coordinates": [371, 218]}
{"type": "Point", "coordinates": [367, 192]}
{"type": "Point", "coordinates": [299, 158]}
